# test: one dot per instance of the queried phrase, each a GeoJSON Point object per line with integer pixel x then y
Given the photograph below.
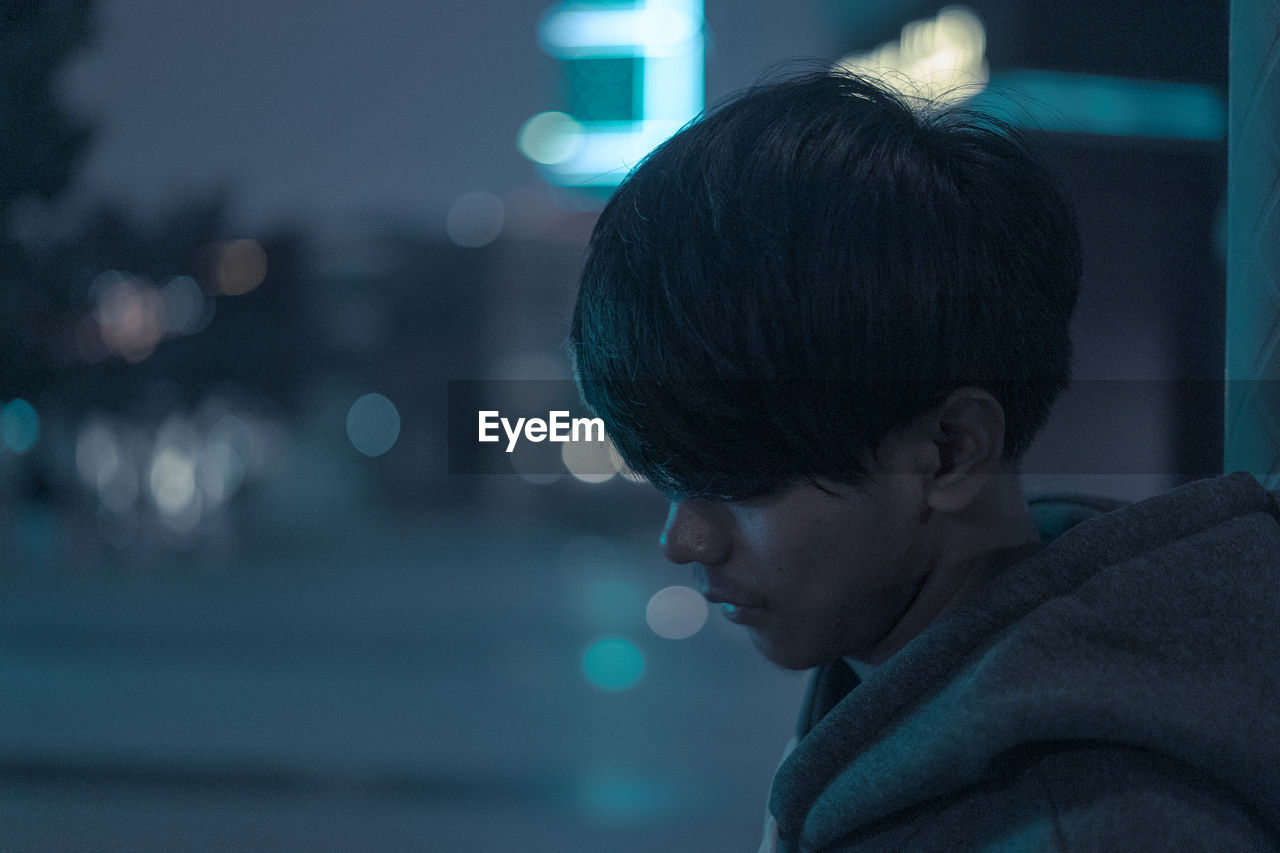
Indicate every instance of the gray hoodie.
{"type": "Point", "coordinates": [1118, 691]}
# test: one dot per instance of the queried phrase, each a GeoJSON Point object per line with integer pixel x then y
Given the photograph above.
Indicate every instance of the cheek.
{"type": "Point", "coordinates": [843, 600]}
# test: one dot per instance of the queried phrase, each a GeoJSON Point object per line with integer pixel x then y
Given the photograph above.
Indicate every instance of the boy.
{"type": "Point", "coordinates": [826, 323]}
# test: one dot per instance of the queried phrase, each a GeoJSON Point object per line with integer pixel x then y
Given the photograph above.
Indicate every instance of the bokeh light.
{"type": "Point", "coordinates": [105, 464]}
{"type": "Point", "coordinates": [171, 477]}
{"type": "Point", "coordinates": [373, 424]}
{"type": "Point", "coordinates": [550, 137]}
{"type": "Point", "coordinates": [676, 612]}
{"type": "Point", "coordinates": [475, 219]}
{"type": "Point", "coordinates": [221, 470]}
{"type": "Point", "coordinates": [613, 664]}
{"type": "Point", "coordinates": [241, 266]}
{"type": "Point", "coordinates": [19, 425]}
{"type": "Point", "coordinates": [98, 455]}
{"type": "Point", "coordinates": [131, 314]}
{"type": "Point", "coordinates": [230, 451]}
{"type": "Point", "coordinates": [187, 468]}
{"type": "Point", "coordinates": [102, 283]}
{"type": "Point", "coordinates": [172, 480]}
{"type": "Point", "coordinates": [591, 461]}
{"type": "Point", "coordinates": [941, 58]}
{"type": "Point", "coordinates": [185, 305]}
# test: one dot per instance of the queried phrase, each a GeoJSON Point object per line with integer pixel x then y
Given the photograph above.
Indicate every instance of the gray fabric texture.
{"type": "Point", "coordinates": [1120, 690]}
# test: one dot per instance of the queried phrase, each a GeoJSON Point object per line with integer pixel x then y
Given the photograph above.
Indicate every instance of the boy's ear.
{"type": "Point", "coordinates": [967, 448]}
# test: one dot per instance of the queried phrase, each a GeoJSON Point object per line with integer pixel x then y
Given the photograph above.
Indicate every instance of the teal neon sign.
{"type": "Point", "coordinates": [633, 76]}
{"type": "Point", "coordinates": [1109, 106]}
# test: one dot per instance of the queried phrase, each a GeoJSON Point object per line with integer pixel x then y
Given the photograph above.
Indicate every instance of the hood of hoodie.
{"type": "Point", "coordinates": [1155, 626]}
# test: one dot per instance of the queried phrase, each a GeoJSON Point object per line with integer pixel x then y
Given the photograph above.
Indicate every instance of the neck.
{"type": "Point", "coordinates": [969, 549]}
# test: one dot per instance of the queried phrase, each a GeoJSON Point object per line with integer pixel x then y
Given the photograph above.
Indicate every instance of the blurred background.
{"type": "Point", "coordinates": [244, 246]}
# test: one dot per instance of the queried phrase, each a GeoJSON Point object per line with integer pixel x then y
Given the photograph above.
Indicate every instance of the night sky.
{"type": "Point", "coordinates": [327, 112]}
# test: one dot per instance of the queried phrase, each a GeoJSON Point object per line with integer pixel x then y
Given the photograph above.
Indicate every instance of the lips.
{"type": "Point", "coordinates": [739, 614]}
{"type": "Point", "coordinates": [737, 607]}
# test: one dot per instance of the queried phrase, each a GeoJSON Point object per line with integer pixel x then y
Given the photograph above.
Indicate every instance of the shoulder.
{"type": "Point", "coordinates": [1104, 796]}
{"type": "Point", "coordinates": [1076, 797]}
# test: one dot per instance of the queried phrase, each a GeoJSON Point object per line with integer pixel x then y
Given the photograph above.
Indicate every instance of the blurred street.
{"type": "Point", "coordinates": [369, 688]}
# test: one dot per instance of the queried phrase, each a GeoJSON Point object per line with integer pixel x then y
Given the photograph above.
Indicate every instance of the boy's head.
{"type": "Point", "coordinates": [807, 269]}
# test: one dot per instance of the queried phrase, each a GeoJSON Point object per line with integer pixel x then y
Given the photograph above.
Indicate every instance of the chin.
{"type": "Point", "coordinates": [787, 658]}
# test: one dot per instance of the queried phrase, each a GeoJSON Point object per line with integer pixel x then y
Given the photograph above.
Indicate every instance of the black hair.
{"type": "Point", "coordinates": [810, 267]}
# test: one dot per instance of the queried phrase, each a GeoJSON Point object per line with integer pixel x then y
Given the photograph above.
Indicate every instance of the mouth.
{"type": "Point", "coordinates": [741, 609]}
{"type": "Point", "coordinates": [740, 614]}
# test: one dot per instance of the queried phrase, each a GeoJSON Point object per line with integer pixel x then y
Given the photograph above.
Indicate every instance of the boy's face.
{"type": "Point", "coordinates": [814, 575]}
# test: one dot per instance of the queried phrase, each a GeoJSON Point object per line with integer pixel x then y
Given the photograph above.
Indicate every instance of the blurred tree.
{"type": "Point", "coordinates": [40, 145]}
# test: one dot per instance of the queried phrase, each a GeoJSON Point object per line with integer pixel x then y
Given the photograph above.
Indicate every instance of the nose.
{"type": "Point", "coordinates": [697, 531]}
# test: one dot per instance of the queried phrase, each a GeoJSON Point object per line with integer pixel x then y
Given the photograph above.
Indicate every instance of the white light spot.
{"type": "Point", "coordinates": [676, 612]}
{"type": "Point", "coordinates": [550, 137]}
{"type": "Point", "coordinates": [172, 480]}
{"type": "Point", "coordinates": [618, 32]}
{"type": "Point", "coordinates": [665, 29]}
{"type": "Point", "coordinates": [591, 461]}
